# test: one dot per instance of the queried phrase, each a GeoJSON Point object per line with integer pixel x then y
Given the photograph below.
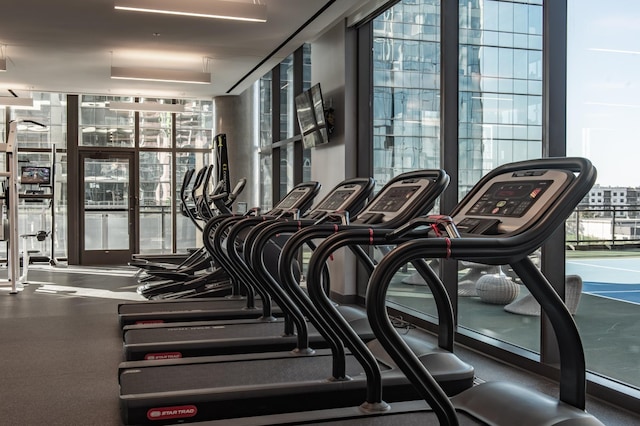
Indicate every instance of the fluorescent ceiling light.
{"type": "Point", "coordinates": [157, 74]}
{"type": "Point", "coordinates": [13, 101]}
{"type": "Point", "coordinates": [216, 9]}
{"type": "Point", "coordinates": [145, 107]}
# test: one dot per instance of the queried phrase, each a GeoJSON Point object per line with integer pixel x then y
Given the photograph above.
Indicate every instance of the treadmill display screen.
{"type": "Point", "coordinates": [336, 200]}
{"type": "Point", "coordinates": [394, 199]}
{"type": "Point", "coordinates": [509, 199]}
{"type": "Point", "coordinates": [290, 200]}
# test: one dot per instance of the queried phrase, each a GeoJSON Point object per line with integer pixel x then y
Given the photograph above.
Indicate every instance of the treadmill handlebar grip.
{"type": "Point", "coordinates": [341, 216]}
{"type": "Point", "coordinates": [439, 224]}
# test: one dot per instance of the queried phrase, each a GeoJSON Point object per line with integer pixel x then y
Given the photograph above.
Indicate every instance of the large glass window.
{"type": "Point", "coordinates": [158, 153]}
{"type": "Point", "coordinates": [406, 92]}
{"type": "Point", "coordinates": [602, 238]}
{"type": "Point", "coordinates": [266, 139]}
{"type": "Point", "coordinates": [287, 113]}
{"type": "Point", "coordinates": [500, 121]}
{"type": "Point", "coordinates": [50, 110]}
{"type": "Point", "coordinates": [156, 200]}
{"type": "Point", "coordinates": [101, 126]}
{"type": "Point", "coordinates": [194, 126]}
{"type": "Point", "coordinates": [280, 161]}
{"type": "Point", "coordinates": [155, 127]}
{"type": "Point", "coordinates": [187, 234]}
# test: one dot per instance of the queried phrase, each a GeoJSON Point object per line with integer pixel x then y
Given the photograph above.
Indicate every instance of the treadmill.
{"type": "Point", "coordinates": [506, 216]}
{"type": "Point", "coordinates": [509, 214]}
{"type": "Point", "coordinates": [300, 197]}
{"type": "Point", "coordinates": [179, 339]}
{"type": "Point", "coordinates": [388, 209]}
{"type": "Point", "coordinates": [228, 386]}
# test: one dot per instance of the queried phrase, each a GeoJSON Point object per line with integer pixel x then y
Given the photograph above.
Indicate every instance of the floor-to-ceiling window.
{"type": "Point", "coordinates": [603, 237]}
{"type": "Point", "coordinates": [283, 162]}
{"type": "Point", "coordinates": [165, 144]}
{"type": "Point", "coordinates": [500, 114]}
{"type": "Point", "coordinates": [266, 140]}
{"type": "Point", "coordinates": [502, 118]}
{"type": "Point", "coordinates": [406, 89]}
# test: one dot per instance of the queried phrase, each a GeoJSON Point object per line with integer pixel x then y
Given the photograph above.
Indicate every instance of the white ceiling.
{"type": "Point", "coordinates": [69, 46]}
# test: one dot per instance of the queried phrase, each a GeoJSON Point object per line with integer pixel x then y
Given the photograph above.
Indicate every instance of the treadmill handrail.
{"type": "Point", "coordinates": [509, 248]}
{"type": "Point", "coordinates": [439, 181]}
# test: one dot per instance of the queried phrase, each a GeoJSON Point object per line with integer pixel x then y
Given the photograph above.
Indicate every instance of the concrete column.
{"type": "Point", "coordinates": [234, 116]}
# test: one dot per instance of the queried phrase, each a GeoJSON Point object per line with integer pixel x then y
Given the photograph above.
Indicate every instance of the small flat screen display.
{"type": "Point", "coordinates": [335, 200]}
{"type": "Point", "coordinates": [509, 199]}
{"type": "Point", "coordinates": [35, 175]}
{"type": "Point", "coordinates": [311, 117]}
{"type": "Point", "coordinates": [306, 115]}
{"type": "Point", "coordinates": [290, 200]}
{"type": "Point", "coordinates": [394, 199]}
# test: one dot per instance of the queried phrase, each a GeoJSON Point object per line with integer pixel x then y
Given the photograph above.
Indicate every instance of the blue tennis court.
{"type": "Point", "coordinates": [614, 278]}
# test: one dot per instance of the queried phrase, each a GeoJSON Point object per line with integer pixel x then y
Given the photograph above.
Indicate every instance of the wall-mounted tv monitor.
{"type": "Point", "coordinates": [35, 175]}
{"type": "Point", "coordinates": [315, 128]}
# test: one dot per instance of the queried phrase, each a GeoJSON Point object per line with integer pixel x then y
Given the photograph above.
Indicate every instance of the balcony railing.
{"type": "Point", "coordinates": [606, 226]}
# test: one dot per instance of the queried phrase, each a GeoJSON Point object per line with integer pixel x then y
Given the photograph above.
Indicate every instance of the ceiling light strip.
{"type": "Point", "coordinates": [16, 102]}
{"type": "Point", "coordinates": [215, 9]}
{"type": "Point", "coordinates": [157, 74]}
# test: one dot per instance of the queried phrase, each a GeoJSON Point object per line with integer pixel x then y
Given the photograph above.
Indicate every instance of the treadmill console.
{"type": "Point", "coordinates": [391, 200]}
{"type": "Point", "coordinates": [292, 200]}
{"type": "Point", "coordinates": [511, 202]}
{"type": "Point", "coordinates": [340, 199]}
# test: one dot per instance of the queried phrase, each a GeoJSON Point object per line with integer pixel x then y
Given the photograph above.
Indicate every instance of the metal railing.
{"type": "Point", "coordinates": [606, 226]}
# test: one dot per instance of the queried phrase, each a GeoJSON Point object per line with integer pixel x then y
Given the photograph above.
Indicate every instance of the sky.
{"type": "Point", "coordinates": [603, 87]}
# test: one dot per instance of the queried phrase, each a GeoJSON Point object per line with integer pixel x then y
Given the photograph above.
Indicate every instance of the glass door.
{"type": "Point", "coordinates": [107, 208]}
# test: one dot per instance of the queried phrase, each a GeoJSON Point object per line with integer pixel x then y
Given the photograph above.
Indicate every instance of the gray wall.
{"type": "Point", "coordinates": [234, 113]}
{"type": "Point", "coordinates": [328, 163]}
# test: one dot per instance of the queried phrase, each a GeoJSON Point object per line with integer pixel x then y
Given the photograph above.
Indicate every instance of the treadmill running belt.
{"type": "Point", "coordinates": [173, 378]}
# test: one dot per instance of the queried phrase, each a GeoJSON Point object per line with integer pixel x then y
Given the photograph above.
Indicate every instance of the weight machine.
{"type": "Point", "coordinates": [9, 223]}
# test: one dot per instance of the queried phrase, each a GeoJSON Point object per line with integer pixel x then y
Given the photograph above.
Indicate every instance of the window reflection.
{"type": "Point", "coordinates": [100, 126]}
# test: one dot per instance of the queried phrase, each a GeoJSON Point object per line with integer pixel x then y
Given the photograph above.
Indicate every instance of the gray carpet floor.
{"type": "Point", "coordinates": [60, 347]}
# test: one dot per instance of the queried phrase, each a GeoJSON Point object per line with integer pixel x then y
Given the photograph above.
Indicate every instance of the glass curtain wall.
{"type": "Point", "coordinates": [500, 116]}
{"type": "Point", "coordinates": [281, 145]}
{"type": "Point", "coordinates": [194, 144]}
{"type": "Point", "coordinates": [406, 89]}
{"type": "Point", "coordinates": [406, 112]}
{"type": "Point", "coordinates": [101, 126]}
{"type": "Point", "coordinates": [266, 140]}
{"type": "Point", "coordinates": [166, 145]}
{"type": "Point", "coordinates": [287, 121]}
{"type": "Point", "coordinates": [500, 121]}
{"type": "Point", "coordinates": [154, 179]}
{"type": "Point", "coordinates": [603, 247]}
